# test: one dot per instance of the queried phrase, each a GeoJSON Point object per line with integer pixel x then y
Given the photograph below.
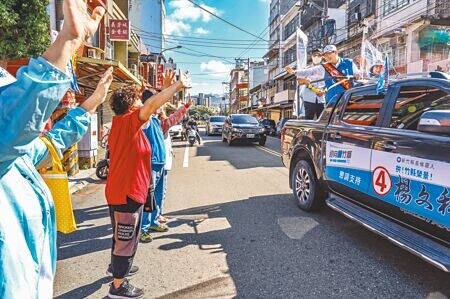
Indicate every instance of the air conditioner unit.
{"type": "Point", "coordinates": [109, 53]}
{"type": "Point", "coordinates": [134, 69]}
{"type": "Point", "coordinates": [92, 53]}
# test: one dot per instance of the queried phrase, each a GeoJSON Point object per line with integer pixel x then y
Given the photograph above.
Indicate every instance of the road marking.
{"type": "Point", "coordinates": [186, 156]}
{"type": "Point", "coordinates": [269, 151]}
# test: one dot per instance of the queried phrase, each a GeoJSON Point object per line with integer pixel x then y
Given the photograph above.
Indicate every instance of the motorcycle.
{"type": "Point", "coordinates": [191, 135]}
{"type": "Point", "coordinates": [103, 166]}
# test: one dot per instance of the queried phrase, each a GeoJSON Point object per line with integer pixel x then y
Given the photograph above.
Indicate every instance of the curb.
{"type": "Point", "coordinates": [81, 180]}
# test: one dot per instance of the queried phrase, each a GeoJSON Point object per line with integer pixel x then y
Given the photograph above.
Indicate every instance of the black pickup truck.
{"type": "Point", "coordinates": [382, 160]}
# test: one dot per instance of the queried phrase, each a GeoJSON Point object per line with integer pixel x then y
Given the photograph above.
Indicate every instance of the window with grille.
{"type": "Point", "coordinates": [390, 6]}
{"type": "Point", "coordinates": [289, 55]}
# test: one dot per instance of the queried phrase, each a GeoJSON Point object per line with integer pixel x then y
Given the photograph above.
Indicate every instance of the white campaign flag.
{"type": "Point", "coordinates": [302, 43]}
{"type": "Point", "coordinates": [371, 56]}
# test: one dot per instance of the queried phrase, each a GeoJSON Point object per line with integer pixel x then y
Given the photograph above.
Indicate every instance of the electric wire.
{"type": "Point", "coordinates": [222, 19]}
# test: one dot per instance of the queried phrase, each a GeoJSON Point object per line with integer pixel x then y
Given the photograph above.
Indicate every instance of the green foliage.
{"type": "Point", "coordinates": [200, 110]}
{"type": "Point", "coordinates": [24, 28]}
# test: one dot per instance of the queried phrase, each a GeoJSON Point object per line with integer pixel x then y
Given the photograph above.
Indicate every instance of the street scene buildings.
{"type": "Point", "coordinates": [223, 190]}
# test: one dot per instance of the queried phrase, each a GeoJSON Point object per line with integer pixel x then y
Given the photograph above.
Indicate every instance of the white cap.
{"type": "Point", "coordinates": [6, 78]}
{"type": "Point", "coordinates": [329, 48]}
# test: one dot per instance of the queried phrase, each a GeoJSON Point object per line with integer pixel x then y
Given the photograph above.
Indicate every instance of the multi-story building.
{"type": "Point", "coordinates": [148, 18]}
{"type": "Point", "coordinates": [239, 86]}
{"type": "Point", "coordinates": [257, 80]}
{"type": "Point", "coordinates": [415, 34]}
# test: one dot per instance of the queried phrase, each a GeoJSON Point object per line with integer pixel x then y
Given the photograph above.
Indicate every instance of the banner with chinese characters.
{"type": "Point", "coordinates": [119, 30]}
{"type": "Point", "coordinates": [418, 186]}
{"type": "Point", "coordinates": [159, 75]}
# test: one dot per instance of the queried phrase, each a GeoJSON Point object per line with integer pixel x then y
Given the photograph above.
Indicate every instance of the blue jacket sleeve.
{"type": "Point", "coordinates": [27, 104]}
{"type": "Point", "coordinates": [66, 132]}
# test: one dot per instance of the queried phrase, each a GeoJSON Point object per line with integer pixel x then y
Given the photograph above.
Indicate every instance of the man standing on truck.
{"type": "Point", "coordinates": [334, 71]}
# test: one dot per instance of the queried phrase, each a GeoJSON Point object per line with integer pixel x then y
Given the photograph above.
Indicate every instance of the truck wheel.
{"type": "Point", "coordinates": [305, 187]}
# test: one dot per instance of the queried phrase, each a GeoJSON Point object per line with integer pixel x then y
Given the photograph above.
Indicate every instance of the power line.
{"type": "Point", "coordinates": [222, 19]}
{"type": "Point", "coordinates": [253, 44]}
{"type": "Point", "coordinates": [207, 45]}
{"type": "Point", "coordinates": [192, 37]}
{"type": "Point", "coordinates": [200, 39]}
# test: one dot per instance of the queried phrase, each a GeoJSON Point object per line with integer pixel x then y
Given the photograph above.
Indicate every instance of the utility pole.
{"type": "Point", "coordinates": [324, 21]}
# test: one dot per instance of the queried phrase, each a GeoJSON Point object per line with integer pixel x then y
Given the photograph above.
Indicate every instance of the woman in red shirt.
{"type": "Point", "coordinates": [129, 178]}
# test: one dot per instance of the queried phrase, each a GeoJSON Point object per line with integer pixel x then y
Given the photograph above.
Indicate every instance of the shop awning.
{"type": "Point", "coordinates": [90, 70]}
{"type": "Point", "coordinates": [277, 106]}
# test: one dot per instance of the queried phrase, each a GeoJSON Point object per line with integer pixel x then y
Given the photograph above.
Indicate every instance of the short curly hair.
{"type": "Point", "coordinates": [124, 98]}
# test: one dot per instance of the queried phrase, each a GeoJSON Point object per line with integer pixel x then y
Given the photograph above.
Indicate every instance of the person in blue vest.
{"type": "Point", "coordinates": [336, 71]}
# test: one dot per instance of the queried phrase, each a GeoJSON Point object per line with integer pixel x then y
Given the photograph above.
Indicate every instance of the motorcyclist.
{"type": "Point", "coordinates": [192, 123]}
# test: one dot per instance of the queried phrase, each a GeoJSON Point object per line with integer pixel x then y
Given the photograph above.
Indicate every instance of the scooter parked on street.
{"type": "Point", "coordinates": [103, 166]}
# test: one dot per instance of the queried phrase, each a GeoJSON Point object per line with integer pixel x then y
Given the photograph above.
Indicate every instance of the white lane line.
{"type": "Point", "coordinates": [269, 151]}
{"type": "Point", "coordinates": [186, 156]}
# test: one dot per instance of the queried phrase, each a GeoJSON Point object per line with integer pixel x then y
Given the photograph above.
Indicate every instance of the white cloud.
{"type": "Point", "coordinates": [203, 87]}
{"type": "Point", "coordinates": [216, 68]}
{"type": "Point", "coordinates": [201, 30]}
{"type": "Point", "coordinates": [185, 10]}
{"type": "Point", "coordinates": [176, 27]}
{"type": "Point", "coordinates": [184, 13]}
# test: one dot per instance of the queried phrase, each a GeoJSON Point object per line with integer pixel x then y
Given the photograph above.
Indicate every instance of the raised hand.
{"type": "Point", "coordinates": [289, 70]}
{"type": "Point", "coordinates": [168, 78]}
{"type": "Point", "coordinates": [190, 100]}
{"type": "Point", "coordinates": [100, 93]}
{"type": "Point", "coordinates": [184, 79]}
{"type": "Point", "coordinates": [78, 25]}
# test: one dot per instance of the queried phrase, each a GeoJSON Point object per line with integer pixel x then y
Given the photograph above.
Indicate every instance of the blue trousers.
{"type": "Point", "coordinates": [151, 219]}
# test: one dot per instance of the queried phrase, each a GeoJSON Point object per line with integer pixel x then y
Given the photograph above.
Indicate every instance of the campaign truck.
{"type": "Point", "coordinates": [382, 160]}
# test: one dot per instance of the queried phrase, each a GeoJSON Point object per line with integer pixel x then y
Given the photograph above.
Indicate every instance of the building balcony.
{"type": "Point", "coordinates": [284, 95]}
{"type": "Point", "coordinates": [271, 92]}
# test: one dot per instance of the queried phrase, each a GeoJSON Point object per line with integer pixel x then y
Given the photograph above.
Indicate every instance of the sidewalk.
{"type": "Point", "coordinates": [85, 176]}
{"type": "Point", "coordinates": [81, 179]}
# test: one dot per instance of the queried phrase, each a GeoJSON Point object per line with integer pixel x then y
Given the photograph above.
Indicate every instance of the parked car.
{"type": "Point", "coordinates": [269, 126]}
{"type": "Point", "coordinates": [243, 127]}
{"type": "Point", "coordinates": [176, 131]}
{"type": "Point", "coordinates": [280, 125]}
{"type": "Point", "coordinates": [382, 160]}
{"type": "Point", "coordinates": [214, 125]}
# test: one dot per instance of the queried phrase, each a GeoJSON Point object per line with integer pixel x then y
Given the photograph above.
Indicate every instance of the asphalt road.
{"type": "Point", "coordinates": [235, 231]}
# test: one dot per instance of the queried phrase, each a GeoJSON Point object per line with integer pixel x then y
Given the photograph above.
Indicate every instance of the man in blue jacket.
{"type": "Point", "coordinates": [333, 71]}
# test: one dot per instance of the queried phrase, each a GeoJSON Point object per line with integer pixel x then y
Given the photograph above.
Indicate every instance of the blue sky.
{"type": "Point", "coordinates": [185, 23]}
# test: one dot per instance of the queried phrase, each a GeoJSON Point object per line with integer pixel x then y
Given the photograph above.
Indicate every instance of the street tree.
{"type": "Point", "coordinates": [24, 28]}
{"type": "Point", "coordinates": [201, 111]}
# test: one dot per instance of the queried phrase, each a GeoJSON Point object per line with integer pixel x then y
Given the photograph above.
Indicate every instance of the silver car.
{"type": "Point", "coordinates": [214, 125]}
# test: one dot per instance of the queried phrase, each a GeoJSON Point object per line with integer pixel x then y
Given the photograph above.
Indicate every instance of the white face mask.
{"type": "Point", "coordinates": [316, 60]}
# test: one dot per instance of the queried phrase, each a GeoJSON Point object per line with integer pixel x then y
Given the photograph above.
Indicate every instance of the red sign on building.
{"type": "Point", "coordinates": [159, 75]}
{"type": "Point", "coordinates": [119, 30]}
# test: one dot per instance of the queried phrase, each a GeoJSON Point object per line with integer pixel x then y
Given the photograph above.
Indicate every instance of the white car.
{"type": "Point", "coordinates": [214, 125]}
{"type": "Point", "coordinates": [176, 131]}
